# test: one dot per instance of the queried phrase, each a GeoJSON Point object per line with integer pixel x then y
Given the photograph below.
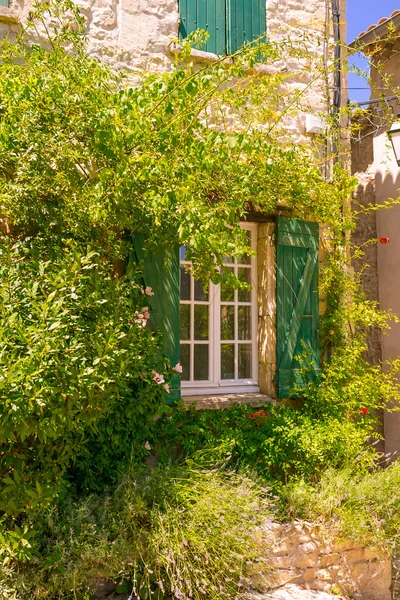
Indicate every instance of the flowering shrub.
{"type": "Point", "coordinates": [74, 407]}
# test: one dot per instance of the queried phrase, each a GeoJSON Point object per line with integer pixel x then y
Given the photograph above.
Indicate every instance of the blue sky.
{"type": "Point", "coordinates": [360, 15]}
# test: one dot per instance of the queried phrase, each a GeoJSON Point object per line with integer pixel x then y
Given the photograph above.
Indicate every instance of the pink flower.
{"type": "Point", "coordinates": [146, 314]}
{"type": "Point", "coordinates": [364, 410]}
{"type": "Point", "coordinates": [177, 368]}
{"type": "Point", "coordinates": [166, 387]}
{"type": "Point", "coordinates": [148, 291]}
{"type": "Point", "coordinates": [147, 446]}
{"type": "Point", "coordinates": [158, 378]}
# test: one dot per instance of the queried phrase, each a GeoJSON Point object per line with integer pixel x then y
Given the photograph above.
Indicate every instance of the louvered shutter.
{"type": "Point", "coordinates": [246, 22]}
{"type": "Point", "coordinates": [297, 302]}
{"type": "Point", "coordinates": [230, 23]}
{"type": "Point", "coordinates": [163, 277]}
{"type": "Point", "coordinates": [205, 14]}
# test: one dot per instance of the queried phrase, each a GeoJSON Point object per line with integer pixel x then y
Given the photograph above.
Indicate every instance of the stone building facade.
{"type": "Point", "coordinates": [140, 36]}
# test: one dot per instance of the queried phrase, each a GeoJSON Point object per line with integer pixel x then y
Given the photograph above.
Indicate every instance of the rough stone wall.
{"type": "Point", "coordinates": [312, 22]}
{"type": "Point", "coordinates": [362, 166]}
{"type": "Point", "coordinates": [266, 269]}
{"type": "Point", "coordinates": [379, 179]}
{"type": "Point", "coordinates": [299, 553]}
{"type": "Point", "coordinates": [132, 35]}
{"type": "Point", "coordinates": [136, 34]}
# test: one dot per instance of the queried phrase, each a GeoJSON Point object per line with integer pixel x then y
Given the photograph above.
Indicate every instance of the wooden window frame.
{"type": "Point", "coordinates": [216, 385]}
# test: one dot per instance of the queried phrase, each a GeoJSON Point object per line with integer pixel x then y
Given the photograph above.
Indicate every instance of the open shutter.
{"type": "Point", "coordinates": [163, 277]}
{"type": "Point", "coordinates": [297, 302]}
{"type": "Point", "coordinates": [205, 14]}
{"type": "Point", "coordinates": [247, 21]}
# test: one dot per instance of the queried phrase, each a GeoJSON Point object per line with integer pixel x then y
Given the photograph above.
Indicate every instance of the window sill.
{"type": "Point", "coordinates": [9, 15]}
{"type": "Point", "coordinates": [200, 56]}
{"type": "Point", "coordinates": [226, 400]}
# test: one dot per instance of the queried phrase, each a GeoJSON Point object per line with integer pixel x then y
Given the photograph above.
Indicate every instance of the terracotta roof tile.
{"type": "Point", "coordinates": [382, 20]}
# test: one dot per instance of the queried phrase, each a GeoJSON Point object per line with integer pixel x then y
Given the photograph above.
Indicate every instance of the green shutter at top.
{"type": "Point", "coordinates": [210, 15]}
{"type": "Point", "coordinates": [161, 273]}
{"type": "Point", "coordinates": [4, 3]}
{"type": "Point", "coordinates": [230, 23]}
{"type": "Point", "coordinates": [247, 21]}
{"type": "Point", "coordinates": [297, 303]}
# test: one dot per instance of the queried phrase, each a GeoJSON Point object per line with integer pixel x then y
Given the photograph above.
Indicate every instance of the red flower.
{"type": "Point", "coordinates": [364, 410]}
{"type": "Point", "coordinates": [384, 240]}
{"type": "Point", "coordinates": [260, 414]}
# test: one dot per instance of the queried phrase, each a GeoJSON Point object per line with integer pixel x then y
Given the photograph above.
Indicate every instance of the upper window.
{"type": "Point", "coordinates": [230, 23]}
{"type": "Point", "coordinates": [219, 329]}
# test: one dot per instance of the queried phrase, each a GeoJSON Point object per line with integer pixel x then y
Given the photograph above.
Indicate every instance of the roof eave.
{"type": "Point", "coordinates": [376, 34]}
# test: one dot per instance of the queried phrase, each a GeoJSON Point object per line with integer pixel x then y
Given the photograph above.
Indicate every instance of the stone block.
{"type": "Point", "coordinates": [345, 545]}
{"type": "Point", "coordinates": [336, 572]}
{"type": "Point", "coordinates": [374, 554]}
{"type": "Point", "coordinates": [373, 579]}
{"type": "Point", "coordinates": [282, 562]}
{"type": "Point", "coordinates": [282, 548]}
{"type": "Point", "coordinates": [9, 15]}
{"type": "Point", "coordinates": [329, 559]}
{"type": "Point", "coordinates": [309, 575]}
{"type": "Point", "coordinates": [308, 548]}
{"type": "Point", "coordinates": [298, 538]}
{"type": "Point", "coordinates": [324, 575]}
{"type": "Point", "coordinates": [353, 556]}
{"type": "Point", "coordinates": [280, 578]}
{"type": "Point", "coordinates": [305, 561]}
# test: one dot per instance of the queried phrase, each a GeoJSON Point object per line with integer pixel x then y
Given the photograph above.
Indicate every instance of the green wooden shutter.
{"type": "Point", "coordinates": [205, 14]}
{"type": "Point", "coordinates": [4, 3]}
{"type": "Point", "coordinates": [297, 301]}
{"type": "Point", "coordinates": [247, 21]}
{"type": "Point", "coordinates": [163, 276]}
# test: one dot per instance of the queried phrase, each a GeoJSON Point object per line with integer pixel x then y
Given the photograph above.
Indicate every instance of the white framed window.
{"type": "Point", "coordinates": [218, 329]}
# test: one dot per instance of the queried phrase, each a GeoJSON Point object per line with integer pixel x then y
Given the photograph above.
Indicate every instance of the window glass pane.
{"type": "Point", "coordinates": [183, 251]}
{"type": "Point", "coordinates": [227, 322]}
{"type": "Point", "coordinates": [245, 276]}
{"type": "Point", "coordinates": [244, 361]}
{"type": "Point", "coordinates": [227, 361]}
{"type": "Point", "coordinates": [199, 294]}
{"type": "Point", "coordinates": [185, 284]}
{"type": "Point", "coordinates": [201, 322]}
{"type": "Point", "coordinates": [200, 362]}
{"type": "Point", "coordinates": [244, 322]}
{"type": "Point", "coordinates": [227, 292]}
{"type": "Point", "coordinates": [185, 362]}
{"type": "Point", "coordinates": [185, 321]}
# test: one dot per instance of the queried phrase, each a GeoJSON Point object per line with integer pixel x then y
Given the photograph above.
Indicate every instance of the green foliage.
{"type": "Point", "coordinates": [279, 443]}
{"type": "Point", "coordinates": [361, 506]}
{"type": "Point", "coordinates": [187, 530]}
{"type": "Point", "coordinates": [87, 162]}
{"type": "Point", "coordinates": [82, 152]}
{"type": "Point", "coordinates": [70, 357]}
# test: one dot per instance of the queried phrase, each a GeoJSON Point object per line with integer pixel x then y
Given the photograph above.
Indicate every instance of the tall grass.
{"type": "Point", "coordinates": [365, 508]}
{"type": "Point", "coordinates": [183, 531]}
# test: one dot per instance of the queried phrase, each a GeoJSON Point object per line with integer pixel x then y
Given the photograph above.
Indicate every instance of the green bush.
{"type": "Point", "coordinates": [277, 442]}
{"type": "Point", "coordinates": [187, 530]}
{"type": "Point", "coordinates": [70, 357]}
